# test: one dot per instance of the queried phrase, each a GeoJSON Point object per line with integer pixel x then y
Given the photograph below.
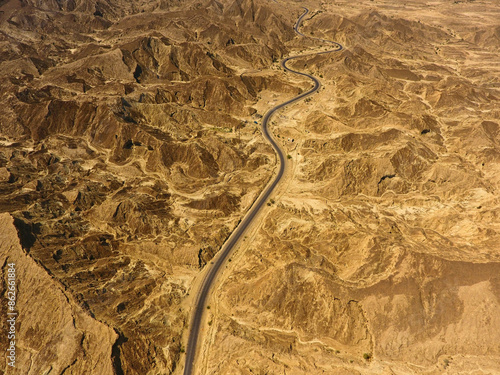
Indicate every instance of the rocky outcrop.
{"type": "Point", "coordinates": [53, 331]}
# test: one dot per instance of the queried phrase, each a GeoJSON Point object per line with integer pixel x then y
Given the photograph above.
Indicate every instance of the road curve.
{"type": "Point", "coordinates": [236, 235]}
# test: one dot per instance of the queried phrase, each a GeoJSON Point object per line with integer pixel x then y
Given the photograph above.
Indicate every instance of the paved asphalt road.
{"type": "Point", "coordinates": [234, 238]}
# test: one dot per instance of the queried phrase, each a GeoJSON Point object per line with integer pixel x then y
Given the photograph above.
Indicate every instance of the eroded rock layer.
{"type": "Point", "coordinates": [129, 150]}
{"type": "Point", "coordinates": [381, 256]}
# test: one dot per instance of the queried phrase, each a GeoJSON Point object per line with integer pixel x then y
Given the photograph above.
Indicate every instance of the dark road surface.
{"type": "Point", "coordinates": [261, 201]}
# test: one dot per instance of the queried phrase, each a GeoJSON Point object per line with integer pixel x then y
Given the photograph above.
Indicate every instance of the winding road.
{"type": "Point", "coordinates": [257, 206]}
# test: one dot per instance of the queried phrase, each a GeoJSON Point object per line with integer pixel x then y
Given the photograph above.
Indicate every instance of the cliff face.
{"type": "Point", "coordinates": [128, 152]}
{"type": "Point", "coordinates": [52, 333]}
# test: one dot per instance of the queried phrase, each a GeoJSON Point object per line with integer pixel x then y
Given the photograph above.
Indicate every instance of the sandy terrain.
{"type": "Point", "coordinates": [130, 149]}
{"type": "Point", "coordinates": [382, 255]}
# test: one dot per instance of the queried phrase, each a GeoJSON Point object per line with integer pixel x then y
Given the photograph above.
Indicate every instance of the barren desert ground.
{"type": "Point", "coordinates": [131, 149]}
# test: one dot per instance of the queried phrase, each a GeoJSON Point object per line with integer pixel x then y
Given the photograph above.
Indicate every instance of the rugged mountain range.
{"type": "Point", "coordinates": [128, 151]}
{"type": "Point", "coordinates": [130, 148]}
